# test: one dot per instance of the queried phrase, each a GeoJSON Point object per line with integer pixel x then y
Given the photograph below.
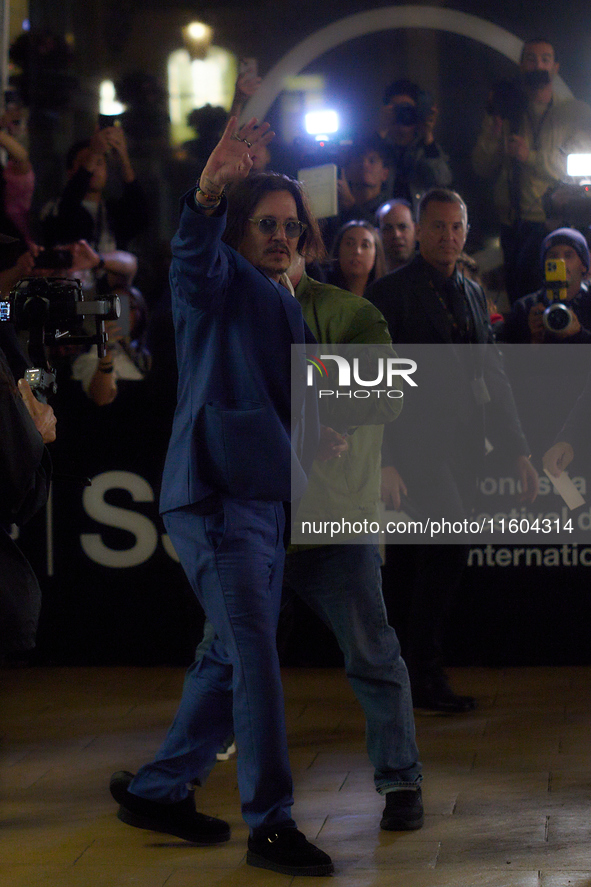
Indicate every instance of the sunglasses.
{"type": "Point", "coordinates": [268, 225]}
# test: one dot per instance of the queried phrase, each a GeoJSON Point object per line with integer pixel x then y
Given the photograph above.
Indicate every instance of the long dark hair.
{"type": "Point", "coordinates": [379, 265]}
{"type": "Point", "coordinates": [244, 197]}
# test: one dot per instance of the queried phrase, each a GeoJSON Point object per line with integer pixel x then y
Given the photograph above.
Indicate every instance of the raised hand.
{"type": "Point", "coordinates": [115, 138]}
{"type": "Point", "coordinates": [428, 126]}
{"type": "Point", "coordinates": [231, 159]}
{"type": "Point", "coordinates": [247, 85]}
{"type": "Point", "coordinates": [346, 199]}
{"type": "Point", "coordinates": [98, 143]}
{"type": "Point", "coordinates": [83, 255]}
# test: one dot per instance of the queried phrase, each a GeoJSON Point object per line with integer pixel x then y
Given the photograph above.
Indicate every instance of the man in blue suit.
{"type": "Point", "coordinates": [228, 473]}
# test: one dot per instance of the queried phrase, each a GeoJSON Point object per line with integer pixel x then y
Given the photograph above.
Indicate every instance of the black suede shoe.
{"type": "Point", "coordinates": [287, 851]}
{"type": "Point", "coordinates": [403, 811]}
{"type": "Point", "coordinates": [433, 693]}
{"type": "Point", "coordinates": [179, 819]}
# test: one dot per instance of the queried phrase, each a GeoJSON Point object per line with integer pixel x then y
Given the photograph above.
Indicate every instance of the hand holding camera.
{"type": "Point", "coordinates": [518, 148]}
{"type": "Point", "coordinates": [41, 413]}
{"type": "Point", "coordinates": [427, 127]}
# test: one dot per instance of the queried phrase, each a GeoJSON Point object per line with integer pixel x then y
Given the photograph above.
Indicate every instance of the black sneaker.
{"type": "Point", "coordinates": [403, 811]}
{"type": "Point", "coordinates": [179, 819]}
{"type": "Point", "coordinates": [287, 851]}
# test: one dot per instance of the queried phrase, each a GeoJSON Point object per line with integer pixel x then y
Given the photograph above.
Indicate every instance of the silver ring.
{"type": "Point", "coordinates": [238, 139]}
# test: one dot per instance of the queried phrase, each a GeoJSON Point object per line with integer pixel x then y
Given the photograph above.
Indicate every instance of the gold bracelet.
{"type": "Point", "coordinates": [209, 198]}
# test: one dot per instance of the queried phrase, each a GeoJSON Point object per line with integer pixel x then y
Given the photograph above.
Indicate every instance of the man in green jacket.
{"type": "Point", "coordinates": [342, 582]}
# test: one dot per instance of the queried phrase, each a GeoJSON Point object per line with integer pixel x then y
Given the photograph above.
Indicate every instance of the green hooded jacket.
{"type": "Point", "coordinates": [348, 486]}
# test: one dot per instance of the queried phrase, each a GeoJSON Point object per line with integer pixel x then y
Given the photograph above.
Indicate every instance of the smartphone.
{"type": "Point", "coordinates": [4, 311]}
{"type": "Point", "coordinates": [106, 120]}
{"type": "Point", "coordinates": [556, 284]}
{"type": "Point", "coordinates": [249, 66]}
{"type": "Point", "coordinates": [52, 259]}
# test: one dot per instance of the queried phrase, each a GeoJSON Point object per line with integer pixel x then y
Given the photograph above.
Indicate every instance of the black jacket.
{"type": "Point", "coordinates": [25, 471]}
{"type": "Point", "coordinates": [70, 221]}
{"type": "Point", "coordinates": [463, 395]}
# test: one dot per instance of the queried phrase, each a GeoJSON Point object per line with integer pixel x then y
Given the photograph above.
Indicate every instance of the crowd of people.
{"type": "Point", "coordinates": [245, 442]}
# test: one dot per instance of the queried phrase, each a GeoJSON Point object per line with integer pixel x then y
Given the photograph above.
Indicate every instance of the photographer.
{"type": "Point", "coordinates": [360, 186]}
{"type": "Point", "coordinates": [407, 124]}
{"type": "Point", "coordinates": [17, 182]}
{"type": "Point", "coordinates": [26, 425]}
{"type": "Point", "coordinates": [526, 136]}
{"type": "Point", "coordinates": [126, 357]}
{"type": "Point", "coordinates": [525, 323]}
{"type": "Point", "coordinates": [83, 214]}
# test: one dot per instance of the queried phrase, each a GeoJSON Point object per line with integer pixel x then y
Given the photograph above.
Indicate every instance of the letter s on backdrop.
{"type": "Point", "coordinates": [140, 526]}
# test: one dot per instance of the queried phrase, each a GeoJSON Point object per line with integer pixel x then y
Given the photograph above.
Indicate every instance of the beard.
{"type": "Point", "coordinates": [275, 261]}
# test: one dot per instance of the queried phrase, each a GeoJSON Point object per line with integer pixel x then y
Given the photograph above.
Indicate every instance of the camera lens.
{"type": "Point", "coordinates": [557, 317]}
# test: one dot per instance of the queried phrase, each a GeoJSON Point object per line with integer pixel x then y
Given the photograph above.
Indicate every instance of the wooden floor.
{"type": "Point", "coordinates": [507, 788]}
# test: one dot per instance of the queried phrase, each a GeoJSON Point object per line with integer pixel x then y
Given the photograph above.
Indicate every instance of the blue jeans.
{"type": "Point", "coordinates": [233, 558]}
{"type": "Point", "coordinates": [343, 585]}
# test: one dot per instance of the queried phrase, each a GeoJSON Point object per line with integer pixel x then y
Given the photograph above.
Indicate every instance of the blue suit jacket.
{"type": "Point", "coordinates": [234, 328]}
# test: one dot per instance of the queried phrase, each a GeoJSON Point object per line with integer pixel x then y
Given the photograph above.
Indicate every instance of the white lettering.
{"type": "Point", "coordinates": [488, 486]}
{"type": "Point", "coordinates": [394, 362]}
{"type": "Point", "coordinates": [367, 382]}
{"type": "Point", "coordinates": [343, 365]}
{"type": "Point", "coordinates": [141, 527]}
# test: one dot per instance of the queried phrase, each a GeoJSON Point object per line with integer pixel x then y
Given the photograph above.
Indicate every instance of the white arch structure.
{"type": "Point", "coordinates": [385, 19]}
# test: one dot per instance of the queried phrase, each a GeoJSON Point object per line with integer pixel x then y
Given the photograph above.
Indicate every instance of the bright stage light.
{"type": "Point", "coordinates": [321, 123]}
{"type": "Point", "coordinates": [578, 165]}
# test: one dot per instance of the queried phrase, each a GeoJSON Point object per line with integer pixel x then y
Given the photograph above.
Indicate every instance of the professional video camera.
{"type": "Point", "coordinates": [52, 309]}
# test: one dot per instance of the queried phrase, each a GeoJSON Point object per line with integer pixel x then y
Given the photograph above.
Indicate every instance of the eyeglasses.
{"type": "Point", "coordinates": [268, 225]}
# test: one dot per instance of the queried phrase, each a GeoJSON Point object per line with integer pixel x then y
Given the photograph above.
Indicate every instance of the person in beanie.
{"type": "Point", "coordinates": [525, 322]}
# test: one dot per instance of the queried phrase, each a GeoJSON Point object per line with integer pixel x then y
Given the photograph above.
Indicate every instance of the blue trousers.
{"type": "Point", "coordinates": [343, 585]}
{"type": "Point", "coordinates": [233, 558]}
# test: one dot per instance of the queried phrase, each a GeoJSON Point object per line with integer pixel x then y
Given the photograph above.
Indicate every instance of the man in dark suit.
{"type": "Point", "coordinates": [228, 473]}
{"type": "Point", "coordinates": [573, 438]}
{"type": "Point", "coordinates": [431, 460]}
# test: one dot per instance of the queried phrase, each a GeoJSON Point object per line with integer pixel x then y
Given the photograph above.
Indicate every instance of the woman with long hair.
{"type": "Point", "coordinates": [357, 257]}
